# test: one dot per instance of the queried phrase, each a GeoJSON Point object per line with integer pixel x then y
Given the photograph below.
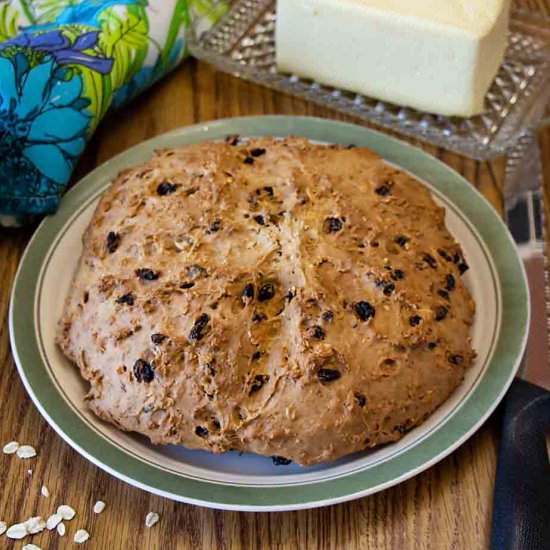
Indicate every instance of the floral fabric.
{"type": "Point", "coordinates": [63, 65]}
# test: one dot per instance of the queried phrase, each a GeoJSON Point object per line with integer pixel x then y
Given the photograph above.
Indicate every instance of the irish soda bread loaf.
{"type": "Point", "coordinates": [289, 299]}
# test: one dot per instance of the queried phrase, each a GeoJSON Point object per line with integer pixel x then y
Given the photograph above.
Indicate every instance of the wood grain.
{"type": "Point", "coordinates": [446, 507]}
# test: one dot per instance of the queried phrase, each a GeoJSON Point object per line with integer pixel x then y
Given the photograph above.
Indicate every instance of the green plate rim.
{"type": "Point", "coordinates": [474, 410]}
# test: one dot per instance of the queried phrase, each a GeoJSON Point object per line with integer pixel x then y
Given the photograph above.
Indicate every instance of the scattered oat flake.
{"type": "Point", "coordinates": [31, 547]}
{"type": "Point", "coordinates": [35, 525]}
{"type": "Point", "coordinates": [81, 536]}
{"type": "Point", "coordinates": [66, 512]}
{"type": "Point", "coordinates": [26, 451]}
{"type": "Point", "coordinates": [45, 492]}
{"type": "Point", "coordinates": [17, 531]}
{"type": "Point", "coordinates": [10, 448]}
{"type": "Point", "coordinates": [61, 529]}
{"type": "Point", "coordinates": [151, 519]}
{"type": "Point", "coordinates": [53, 521]}
{"type": "Point", "coordinates": [3, 527]}
{"type": "Point", "coordinates": [99, 506]}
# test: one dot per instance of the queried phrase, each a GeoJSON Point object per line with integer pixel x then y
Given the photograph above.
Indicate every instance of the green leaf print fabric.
{"type": "Point", "coordinates": [63, 65]}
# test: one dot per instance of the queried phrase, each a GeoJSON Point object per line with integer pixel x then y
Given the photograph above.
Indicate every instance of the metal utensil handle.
{"type": "Point", "coordinates": [521, 500]}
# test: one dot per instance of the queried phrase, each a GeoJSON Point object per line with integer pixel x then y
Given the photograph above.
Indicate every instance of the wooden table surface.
{"type": "Point", "coordinates": [448, 506]}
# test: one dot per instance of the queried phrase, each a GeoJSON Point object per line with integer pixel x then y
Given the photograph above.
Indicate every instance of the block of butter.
{"type": "Point", "coordinates": [438, 56]}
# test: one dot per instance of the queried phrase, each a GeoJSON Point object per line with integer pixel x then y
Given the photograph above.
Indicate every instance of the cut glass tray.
{"type": "Point", "coordinates": [242, 43]}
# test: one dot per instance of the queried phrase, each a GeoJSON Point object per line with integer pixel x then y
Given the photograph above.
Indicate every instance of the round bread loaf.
{"type": "Point", "coordinates": [294, 300]}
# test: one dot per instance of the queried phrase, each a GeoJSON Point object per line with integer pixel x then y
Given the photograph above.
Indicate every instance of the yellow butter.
{"type": "Point", "coordinates": [438, 56]}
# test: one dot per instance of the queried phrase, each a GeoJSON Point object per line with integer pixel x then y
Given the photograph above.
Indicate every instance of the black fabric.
{"type": "Point", "coordinates": [521, 504]}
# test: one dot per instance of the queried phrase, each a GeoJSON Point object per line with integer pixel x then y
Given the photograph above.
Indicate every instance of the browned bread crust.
{"type": "Point", "coordinates": [277, 297]}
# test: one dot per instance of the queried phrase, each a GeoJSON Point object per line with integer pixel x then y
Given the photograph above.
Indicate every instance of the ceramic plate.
{"type": "Point", "coordinates": [248, 482]}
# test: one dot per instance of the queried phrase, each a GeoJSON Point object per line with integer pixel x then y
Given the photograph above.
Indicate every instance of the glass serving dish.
{"type": "Point", "coordinates": [242, 43]}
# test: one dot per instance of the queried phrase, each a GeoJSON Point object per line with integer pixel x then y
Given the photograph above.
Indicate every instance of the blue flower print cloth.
{"type": "Point", "coordinates": [63, 65]}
